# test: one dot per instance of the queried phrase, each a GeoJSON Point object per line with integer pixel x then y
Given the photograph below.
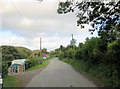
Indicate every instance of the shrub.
{"type": "Point", "coordinates": [4, 69]}
{"type": "Point", "coordinates": [70, 53]}
{"type": "Point", "coordinates": [32, 62]}
{"type": "Point", "coordinates": [61, 55]}
{"type": "Point", "coordinates": [78, 54]}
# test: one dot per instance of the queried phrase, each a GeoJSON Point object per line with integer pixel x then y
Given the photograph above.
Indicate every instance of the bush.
{"type": "Point", "coordinates": [101, 59]}
{"type": "Point", "coordinates": [70, 53]}
{"type": "Point", "coordinates": [9, 53]}
{"type": "Point", "coordinates": [32, 62]}
{"type": "Point", "coordinates": [78, 54]}
{"type": "Point", "coordinates": [61, 55]}
{"type": "Point", "coordinates": [4, 69]}
{"type": "Point", "coordinates": [114, 62]}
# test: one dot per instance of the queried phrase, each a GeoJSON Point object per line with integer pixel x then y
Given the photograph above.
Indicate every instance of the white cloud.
{"type": "Point", "coordinates": [30, 20]}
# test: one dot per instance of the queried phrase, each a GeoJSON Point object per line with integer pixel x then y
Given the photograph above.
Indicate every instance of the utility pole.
{"type": "Point", "coordinates": [73, 42]}
{"type": "Point", "coordinates": [72, 36]}
{"type": "Point", "coordinates": [40, 44]}
{"type": "Point", "coordinates": [40, 61]}
{"type": "Point", "coordinates": [40, 47]}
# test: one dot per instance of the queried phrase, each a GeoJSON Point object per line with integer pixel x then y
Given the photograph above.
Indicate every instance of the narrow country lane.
{"type": "Point", "coordinates": [59, 74]}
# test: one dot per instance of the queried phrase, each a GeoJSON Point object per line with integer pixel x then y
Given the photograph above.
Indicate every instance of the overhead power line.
{"type": "Point", "coordinates": [20, 13]}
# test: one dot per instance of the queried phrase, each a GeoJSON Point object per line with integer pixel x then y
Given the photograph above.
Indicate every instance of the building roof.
{"type": "Point", "coordinates": [19, 61]}
{"type": "Point", "coordinates": [15, 65]}
{"type": "Point", "coordinates": [45, 55]}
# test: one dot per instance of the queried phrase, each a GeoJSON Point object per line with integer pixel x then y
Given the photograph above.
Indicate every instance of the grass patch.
{"type": "Point", "coordinates": [10, 81]}
{"type": "Point", "coordinates": [44, 63]}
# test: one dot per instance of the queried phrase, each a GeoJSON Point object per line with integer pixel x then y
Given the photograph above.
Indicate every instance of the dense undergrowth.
{"type": "Point", "coordinates": [98, 58]}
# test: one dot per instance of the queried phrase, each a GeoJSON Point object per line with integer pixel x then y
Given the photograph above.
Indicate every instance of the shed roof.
{"type": "Point", "coordinates": [15, 65]}
{"type": "Point", "coordinates": [19, 61]}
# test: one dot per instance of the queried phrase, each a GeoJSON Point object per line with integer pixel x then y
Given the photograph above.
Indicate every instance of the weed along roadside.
{"type": "Point", "coordinates": [82, 67]}
{"type": "Point", "coordinates": [11, 81]}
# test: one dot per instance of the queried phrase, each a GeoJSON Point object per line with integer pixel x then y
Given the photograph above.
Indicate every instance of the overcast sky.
{"type": "Point", "coordinates": [23, 22]}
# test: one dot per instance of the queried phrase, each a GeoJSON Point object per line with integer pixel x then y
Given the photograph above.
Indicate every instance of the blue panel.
{"type": "Point", "coordinates": [11, 69]}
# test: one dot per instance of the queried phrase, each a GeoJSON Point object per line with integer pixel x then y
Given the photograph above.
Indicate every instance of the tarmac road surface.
{"type": "Point", "coordinates": [59, 74]}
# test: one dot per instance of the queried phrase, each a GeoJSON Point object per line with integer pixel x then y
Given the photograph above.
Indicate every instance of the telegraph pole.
{"type": "Point", "coordinates": [40, 51]}
{"type": "Point", "coordinates": [40, 44]}
{"type": "Point", "coordinates": [73, 42]}
{"type": "Point", "coordinates": [40, 47]}
{"type": "Point", "coordinates": [72, 36]}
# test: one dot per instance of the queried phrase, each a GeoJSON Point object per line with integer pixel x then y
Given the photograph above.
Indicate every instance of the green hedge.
{"type": "Point", "coordinates": [32, 62]}
{"type": "Point", "coordinates": [4, 69]}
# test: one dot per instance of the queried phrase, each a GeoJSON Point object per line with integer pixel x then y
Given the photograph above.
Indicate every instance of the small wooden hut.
{"type": "Point", "coordinates": [17, 66]}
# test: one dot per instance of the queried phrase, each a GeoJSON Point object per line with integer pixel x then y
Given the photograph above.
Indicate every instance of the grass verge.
{"type": "Point", "coordinates": [10, 81]}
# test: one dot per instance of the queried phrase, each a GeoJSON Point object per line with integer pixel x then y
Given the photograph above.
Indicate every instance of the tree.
{"type": "Point", "coordinates": [9, 53]}
{"type": "Point", "coordinates": [70, 53]}
{"type": "Point", "coordinates": [106, 15]}
{"type": "Point", "coordinates": [87, 39]}
{"type": "Point", "coordinates": [61, 55]}
{"type": "Point", "coordinates": [61, 47]}
{"type": "Point", "coordinates": [91, 52]}
{"type": "Point", "coordinates": [80, 45]}
{"type": "Point", "coordinates": [44, 51]}
{"type": "Point", "coordinates": [69, 46]}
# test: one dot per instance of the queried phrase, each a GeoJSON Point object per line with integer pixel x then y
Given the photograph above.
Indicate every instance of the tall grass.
{"type": "Point", "coordinates": [10, 81]}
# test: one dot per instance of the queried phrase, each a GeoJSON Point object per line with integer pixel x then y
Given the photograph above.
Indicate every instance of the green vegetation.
{"type": "Point", "coordinates": [96, 57]}
{"type": "Point", "coordinates": [10, 53]}
{"type": "Point", "coordinates": [96, 73]}
{"type": "Point", "coordinates": [107, 19]}
{"type": "Point", "coordinates": [24, 52]}
{"type": "Point", "coordinates": [10, 81]}
{"type": "Point", "coordinates": [44, 63]}
{"type": "Point", "coordinates": [101, 56]}
{"type": "Point", "coordinates": [33, 63]}
{"type": "Point", "coordinates": [4, 69]}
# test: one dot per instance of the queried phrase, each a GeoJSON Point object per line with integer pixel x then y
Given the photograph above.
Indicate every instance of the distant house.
{"type": "Point", "coordinates": [35, 52]}
{"type": "Point", "coordinates": [17, 66]}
